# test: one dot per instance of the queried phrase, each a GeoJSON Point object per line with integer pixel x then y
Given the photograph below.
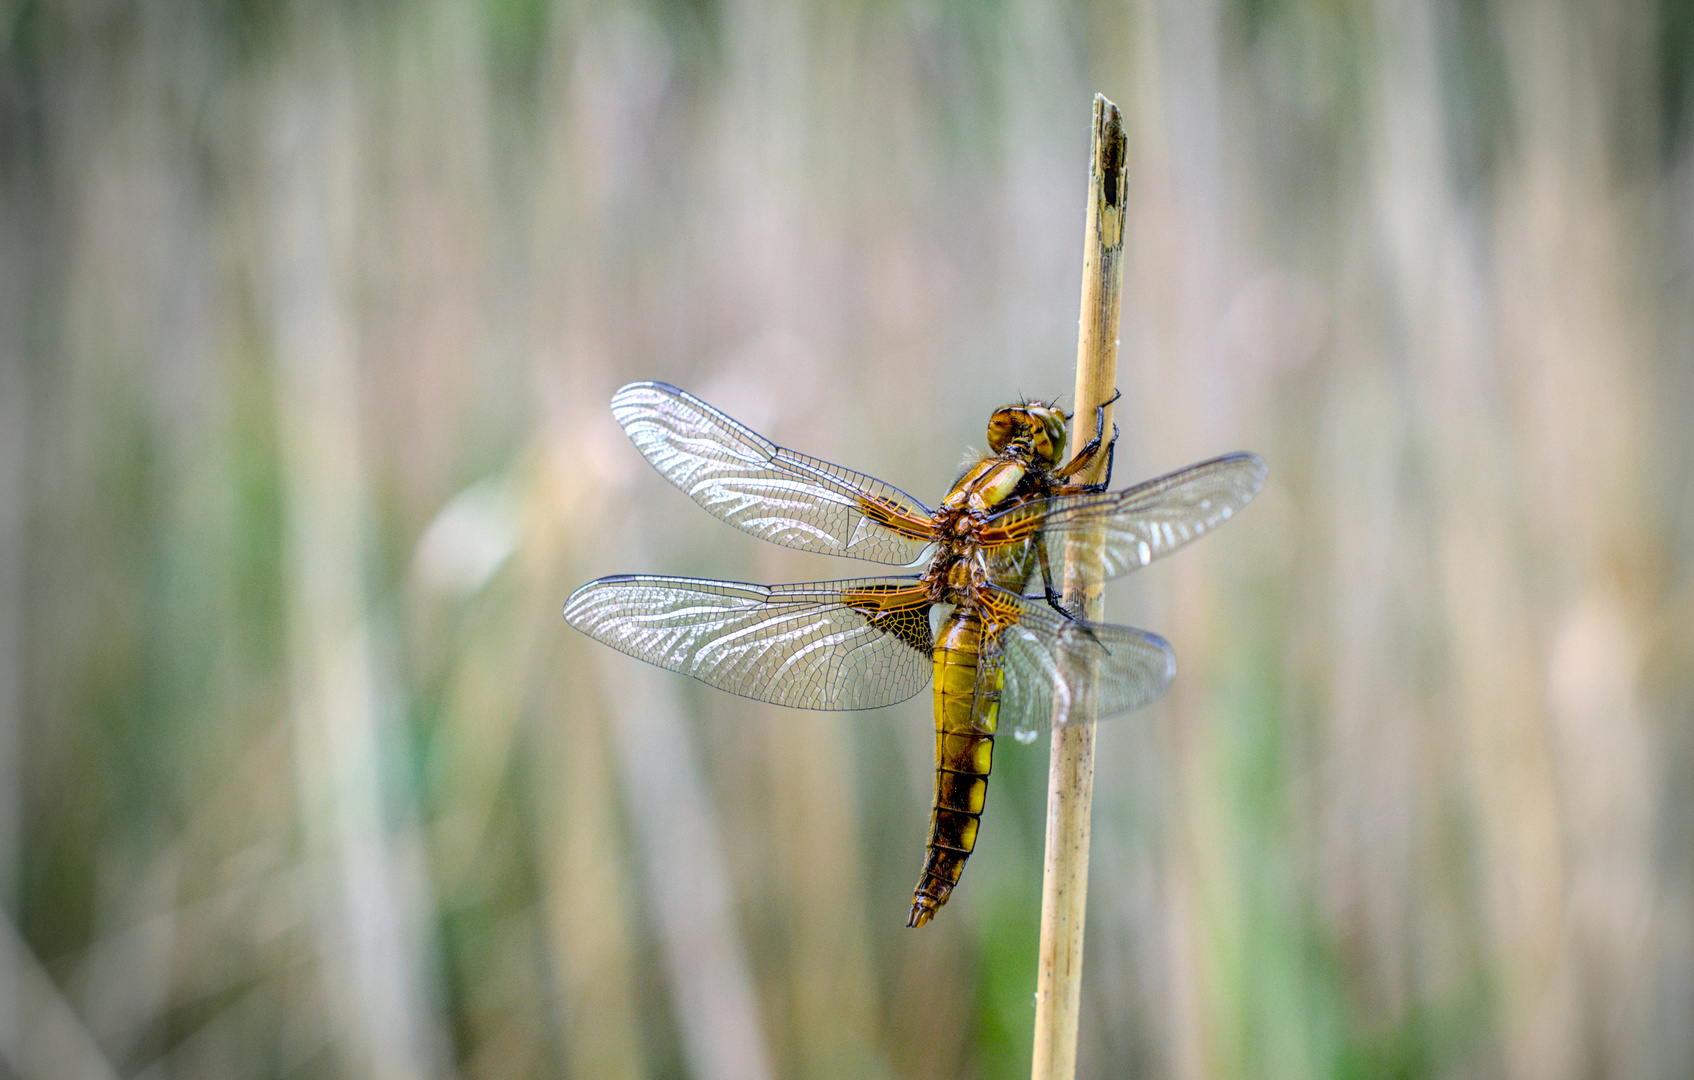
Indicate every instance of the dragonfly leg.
{"type": "Point", "coordinates": [1111, 459]}
{"type": "Point", "coordinates": [1085, 456]}
{"type": "Point", "coordinates": [1056, 601]}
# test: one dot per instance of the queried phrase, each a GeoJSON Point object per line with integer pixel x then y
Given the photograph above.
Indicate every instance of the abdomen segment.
{"type": "Point", "coordinates": [964, 753]}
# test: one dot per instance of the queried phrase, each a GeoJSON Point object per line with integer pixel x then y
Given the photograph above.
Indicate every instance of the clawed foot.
{"type": "Point", "coordinates": [1086, 454]}
{"type": "Point", "coordinates": [1111, 459]}
{"type": "Point", "coordinates": [1056, 602]}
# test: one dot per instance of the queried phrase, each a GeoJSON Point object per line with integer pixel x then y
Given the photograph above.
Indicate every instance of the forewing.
{"type": "Point", "coordinates": [1142, 523]}
{"type": "Point", "coordinates": [830, 645]}
{"type": "Point", "coordinates": [773, 493]}
{"type": "Point", "coordinates": [1037, 661]}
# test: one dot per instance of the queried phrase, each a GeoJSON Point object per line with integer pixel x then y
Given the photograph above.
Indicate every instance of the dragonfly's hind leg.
{"type": "Point", "coordinates": [1055, 600]}
{"type": "Point", "coordinates": [1085, 456]}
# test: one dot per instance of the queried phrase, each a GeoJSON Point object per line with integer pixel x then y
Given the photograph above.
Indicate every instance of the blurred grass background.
{"type": "Point", "coordinates": [309, 314]}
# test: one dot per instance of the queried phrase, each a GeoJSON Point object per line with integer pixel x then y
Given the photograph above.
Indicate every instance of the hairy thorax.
{"type": "Point", "coordinates": [991, 486]}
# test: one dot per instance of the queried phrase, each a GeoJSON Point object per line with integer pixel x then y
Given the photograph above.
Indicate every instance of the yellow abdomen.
{"type": "Point", "coordinates": [964, 753]}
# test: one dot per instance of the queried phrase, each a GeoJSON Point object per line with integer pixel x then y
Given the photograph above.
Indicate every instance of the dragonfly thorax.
{"type": "Point", "coordinates": [988, 484]}
{"type": "Point", "coordinates": [961, 576]}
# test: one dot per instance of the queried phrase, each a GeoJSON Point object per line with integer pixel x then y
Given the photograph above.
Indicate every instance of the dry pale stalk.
{"type": "Point", "coordinates": [1070, 780]}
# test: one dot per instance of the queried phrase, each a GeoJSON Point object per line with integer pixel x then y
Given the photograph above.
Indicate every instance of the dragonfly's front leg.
{"type": "Point", "coordinates": [1085, 456]}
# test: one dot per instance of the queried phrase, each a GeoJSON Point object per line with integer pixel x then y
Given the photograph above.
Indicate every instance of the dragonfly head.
{"type": "Point", "coordinates": [1039, 428]}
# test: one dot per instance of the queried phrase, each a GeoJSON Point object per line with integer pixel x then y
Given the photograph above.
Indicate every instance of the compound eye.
{"type": "Point", "coordinates": [1053, 435]}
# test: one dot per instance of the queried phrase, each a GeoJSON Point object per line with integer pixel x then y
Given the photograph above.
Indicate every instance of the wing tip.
{"type": "Point", "coordinates": [1163, 645]}
{"type": "Point", "coordinates": [571, 611]}
{"type": "Point", "coordinates": [575, 603]}
{"type": "Point", "coordinates": [643, 394]}
{"type": "Point", "coordinates": [1255, 468]}
{"type": "Point", "coordinates": [644, 385]}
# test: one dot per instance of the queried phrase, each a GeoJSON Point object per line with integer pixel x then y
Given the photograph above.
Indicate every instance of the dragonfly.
{"type": "Point", "coordinates": [1002, 659]}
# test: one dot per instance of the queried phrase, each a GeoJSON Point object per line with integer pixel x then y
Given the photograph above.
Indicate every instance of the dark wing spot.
{"type": "Point", "coordinates": [897, 614]}
{"type": "Point", "coordinates": [910, 625]}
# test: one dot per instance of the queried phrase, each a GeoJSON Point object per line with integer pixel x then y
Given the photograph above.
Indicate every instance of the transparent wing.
{"type": "Point", "coordinates": [1035, 660]}
{"type": "Point", "coordinates": [827, 645]}
{"type": "Point", "coordinates": [773, 493]}
{"type": "Point", "coordinates": [1142, 523]}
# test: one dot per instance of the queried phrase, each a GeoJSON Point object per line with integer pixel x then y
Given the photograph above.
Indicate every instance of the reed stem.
{"type": "Point", "coordinates": [1070, 778]}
